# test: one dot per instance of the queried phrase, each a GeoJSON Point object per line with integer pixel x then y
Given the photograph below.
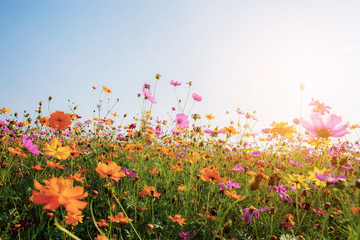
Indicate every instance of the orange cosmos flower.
{"type": "Point", "coordinates": [153, 170]}
{"type": "Point", "coordinates": [37, 168]}
{"type": "Point", "coordinates": [212, 175]}
{"type": "Point", "coordinates": [101, 237]}
{"type": "Point", "coordinates": [210, 117]}
{"type": "Point", "coordinates": [230, 130]}
{"type": "Point", "coordinates": [103, 223]}
{"type": "Point", "coordinates": [207, 215]}
{"type": "Point", "coordinates": [76, 177]}
{"type": "Point", "coordinates": [120, 218]}
{"type": "Point", "coordinates": [59, 191]}
{"type": "Point", "coordinates": [5, 110]}
{"type": "Point", "coordinates": [113, 170]}
{"type": "Point", "coordinates": [232, 194]}
{"type": "Point", "coordinates": [53, 164]}
{"type": "Point", "coordinates": [178, 219]}
{"type": "Point", "coordinates": [107, 90]}
{"type": "Point", "coordinates": [60, 120]}
{"type": "Point", "coordinates": [16, 152]}
{"type": "Point", "coordinates": [73, 219]}
{"type": "Point", "coordinates": [44, 121]}
{"type": "Point", "coordinates": [147, 191]}
{"type": "Point", "coordinates": [176, 168]}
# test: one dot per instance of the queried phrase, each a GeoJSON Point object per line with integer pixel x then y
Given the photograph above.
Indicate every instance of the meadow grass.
{"type": "Point", "coordinates": [179, 179]}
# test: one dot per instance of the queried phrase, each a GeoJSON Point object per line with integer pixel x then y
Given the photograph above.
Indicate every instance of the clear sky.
{"type": "Point", "coordinates": [247, 54]}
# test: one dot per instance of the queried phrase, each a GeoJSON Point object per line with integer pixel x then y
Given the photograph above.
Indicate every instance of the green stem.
{"type": "Point", "coordinates": [64, 230]}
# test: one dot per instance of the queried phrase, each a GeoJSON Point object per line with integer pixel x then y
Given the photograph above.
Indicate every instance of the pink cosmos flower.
{"type": "Point", "coordinates": [319, 107]}
{"type": "Point", "coordinates": [172, 82]}
{"type": "Point", "coordinates": [238, 167]}
{"type": "Point", "coordinates": [181, 120]}
{"type": "Point", "coordinates": [30, 146]}
{"type": "Point", "coordinates": [296, 121]}
{"type": "Point", "coordinates": [196, 97]}
{"type": "Point", "coordinates": [250, 212]}
{"type": "Point", "coordinates": [147, 95]}
{"type": "Point", "coordinates": [330, 128]}
{"type": "Point", "coordinates": [239, 111]}
{"type": "Point", "coordinates": [293, 162]}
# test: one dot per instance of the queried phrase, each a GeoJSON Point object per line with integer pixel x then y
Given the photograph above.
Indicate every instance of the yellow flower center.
{"type": "Point", "coordinates": [324, 133]}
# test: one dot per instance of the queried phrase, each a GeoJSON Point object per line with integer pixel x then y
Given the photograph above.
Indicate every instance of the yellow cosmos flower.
{"type": "Point", "coordinates": [56, 150]}
{"type": "Point", "coordinates": [312, 177]}
{"type": "Point", "coordinates": [283, 129]}
{"type": "Point", "coordinates": [297, 181]}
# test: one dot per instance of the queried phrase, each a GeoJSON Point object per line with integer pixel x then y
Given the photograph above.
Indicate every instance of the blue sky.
{"type": "Point", "coordinates": [247, 54]}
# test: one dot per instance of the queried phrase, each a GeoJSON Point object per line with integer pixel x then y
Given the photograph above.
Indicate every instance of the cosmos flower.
{"type": "Point", "coordinates": [178, 219]}
{"type": "Point", "coordinates": [120, 218]}
{"type": "Point", "coordinates": [172, 82]}
{"type": "Point", "coordinates": [111, 170]}
{"type": "Point", "coordinates": [73, 219]}
{"type": "Point", "coordinates": [319, 107]}
{"type": "Point", "coordinates": [331, 128]}
{"type": "Point", "coordinates": [60, 120]}
{"type": "Point", "coordinates": [59, 191]}
{"type": "Point", "coordinates": [212, 175]}
{"type": "Point", "coordinates": [107, 90]}
{"type": "Point", "coordinates": [56, 150]}
{"type": "Point", "coordinates": [148, 95]}
{"type": "Point", "coordinates": [238, 167]}
{"type": "Point", "coordinates": [181, 120]}
{"type": "Point", "coordinates": [250, 212]}
{"type": "Point", "coordinates": [30, 146]}
{"type": "Point", "coordinates": [196, 97]}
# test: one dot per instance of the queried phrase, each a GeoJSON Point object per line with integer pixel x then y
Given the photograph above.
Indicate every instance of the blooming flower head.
{"type": "Point", "coordinates": [184, 235]}
{"type": "Point", "coordinates": [56, 150]}
{"type": "Point", "coordinates": [212, 175]}
{"type": "Point", "coordinates": [172, 82]}
{"type": "Point", "coordinates": [120, 218]}
{"type": "Point", "coordinates": [178, 219]}
{"type": "Point", "coordinates": [30, 146]}
{"type": "Point", "coordinates": [181, 120]}
{"type": "Point", "coordinates": [60, 120]}
{"type": "Point", "coordinates": [196, 97]}
{"type": "Point", "coordinates": [238, 167]}
{"type": "Point", "coordinates": [250, 212]}
{"type": "Point", "coordinates": [319, 107]}
{"type": "Point", "coordinates": [331, 128]}
{"type": "Point", "coordinates": [148, 95]}
{"type": "Point", "coordinates": [112, 170]}
{"type": "Point", "coordinates": [73, 219]}
{"type": "Point", "coordinates": [282, 129]}
{"type": "Point", "coordinates": [59, 191]}
{"type": "Point", "coordinates": [107, 90]}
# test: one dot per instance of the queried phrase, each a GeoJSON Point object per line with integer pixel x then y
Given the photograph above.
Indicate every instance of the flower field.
{"type": "Point", "coordinates": [63, 177]}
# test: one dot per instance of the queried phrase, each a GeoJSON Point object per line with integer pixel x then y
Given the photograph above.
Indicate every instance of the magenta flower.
{"type": "Point", "coordinates": [172, 82]}
{"type": "Point", "coordinates": [196, 97]}
{"type": "Point", "coordinates": [229, 186]}
{"type": "Point", "coordinates": [181, 120]}
{"type": "Point", "coordinates": [238, 167]}
{"type": "Point", "coordinates": [184, 235]}
{"type": "Point", "coordinates": [293, 162]}
{"type": "Point", "coordinates": [250, 212]}
{"type": "Point", "coordinates": [147, 95]}
{"type": "Point", "coordinates": [331, 128]}
{"type": "Point", "coordinates": [239, 111]}
{"type": "Point", "coordinates": [319, 107]}
{"type": "Point", "coordinates": [30, 146]}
